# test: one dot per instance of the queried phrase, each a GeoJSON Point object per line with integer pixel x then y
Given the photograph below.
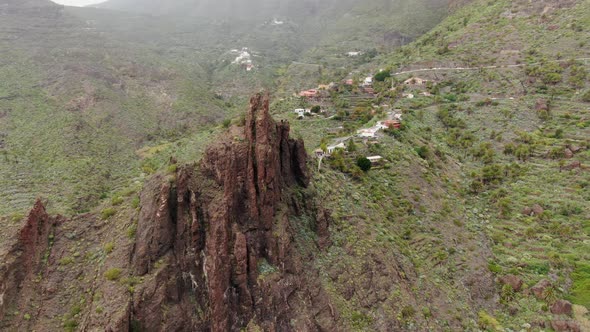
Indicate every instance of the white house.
{"type": "Point", "coordinates": [333, 148]}
{"type": "Point", "coordinates": [302, 112]}
{"type": "Point", "coordinates": [415, 81]}
{"type": "Point", "coordinates": [368, 81]}
{"type": "Point", "coordinates": [368, 132]}
{"type": "Point", "coordinates": [353, 53]}
{"type": "Point", "coordinates": [375, 159]}
{"type": "Point", "coordinates": [381, 125]}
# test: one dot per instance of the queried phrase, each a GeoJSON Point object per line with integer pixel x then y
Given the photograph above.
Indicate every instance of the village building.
{"type": "Point", "coordinates": [311, 93]}
{"type": "Point", "coordinates": [368, 81]}
{"type": "Point", "coordinates": [353, 53]}
{"type": "Point", "coordinates": [301, 112]}
{"type": "Point", "coordinates": [408, 95]}
{"type": "Point", "coordinates": [368, 132]}
{"type": "Point", "coordinates": [333, 148]}
{"type": "Point", "coordinates": [415, 81]}
{"type": "Point", "coordinates": [395, 124]}
{"type": "Point", "coordinates": [319, 153]}
{"type": "Point", "coordinates": [375, 159]}
{"type": "Point", "coordinates": [349, 81]}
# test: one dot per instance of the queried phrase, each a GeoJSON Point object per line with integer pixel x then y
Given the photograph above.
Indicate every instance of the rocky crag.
{"type": "Point", "coordinates": [213, 249]}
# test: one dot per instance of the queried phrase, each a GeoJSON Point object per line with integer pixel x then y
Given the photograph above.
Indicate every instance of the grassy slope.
{"type": "Point", "coordinates": [77, 107]}
{"type": "Point", "coordinates": [371, 224]}
{"type": "Point", "coordinates": [556, 244]}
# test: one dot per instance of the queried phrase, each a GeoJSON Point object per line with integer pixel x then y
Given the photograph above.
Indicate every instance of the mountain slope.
{"type": "Point", "coordinates": [76, 108]}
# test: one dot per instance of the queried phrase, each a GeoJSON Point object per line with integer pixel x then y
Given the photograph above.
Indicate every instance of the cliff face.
{"type": "Point", "coordinates": [224, 222]}
{"type": "Point", "coordinates": [214, 249]}
{"type": "Point", "coordinates": [23, 260]}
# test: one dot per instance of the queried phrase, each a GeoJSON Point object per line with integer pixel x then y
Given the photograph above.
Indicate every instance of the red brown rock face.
{"type": "Point", "coordinates": [23, 260]}
{"type": "Point", "coordinates": [225, 218]}
{"type": "Point", "coordinates": [214, 249]}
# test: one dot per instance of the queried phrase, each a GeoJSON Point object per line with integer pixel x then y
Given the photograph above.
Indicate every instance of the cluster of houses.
{"type": "Point", "coordinates": [371, 133]}
{"type": "Point", "coordinates": [393, 122]}
{"type": "Point", "coordinates": [416, 85]}
{"type": "Point", "coordinates": [243, 58]}
{"type": "Point", "coordinates": [303, 112]}
{"type": "Point", "coordinates": [321, 90]}
{"type": "Point", "coordinates": [320, 154]}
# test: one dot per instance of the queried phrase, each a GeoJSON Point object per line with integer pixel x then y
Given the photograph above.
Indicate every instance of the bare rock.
{"type": "Point", "coordinates": [512, 280]}
{"type": "Point", "coordinates": [541, 105]}
{"type": "Point", "coordinates": [562, 307]}
{"type": "Point", "coordinates": [565, 326]}
{"type": "Point", "coordinates": [539, 289]}
{"type": "Point", "coordinates": [527, 211]}
{"type": "Point", "coordinates": [567, 153]}
{"type": "Point", "coordinates": [537, 210]}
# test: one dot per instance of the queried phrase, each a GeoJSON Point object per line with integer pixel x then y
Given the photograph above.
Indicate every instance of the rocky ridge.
{"type": "Point", "coordinates": [215, 246]}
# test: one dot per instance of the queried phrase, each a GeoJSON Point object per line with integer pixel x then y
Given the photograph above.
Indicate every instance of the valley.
{"type": "Point", "coordinates": [392, 177]}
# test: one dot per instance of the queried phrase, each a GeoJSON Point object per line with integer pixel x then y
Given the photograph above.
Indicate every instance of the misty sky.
{"type": "Point", "coordinates": [78, 2]}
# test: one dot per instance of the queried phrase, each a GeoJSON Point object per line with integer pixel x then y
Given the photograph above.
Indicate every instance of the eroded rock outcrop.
{"type": "Point", "coordinates": [22, 261]}
{"type": "Point", "coordinates": [225, 232]}
{"type": "Point", "coordinates": [213, 249]}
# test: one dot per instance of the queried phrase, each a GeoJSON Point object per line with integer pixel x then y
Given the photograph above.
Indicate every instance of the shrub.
{"type": "Point", "coordinates": [226, 123]}
{"type": "Point", "coordinates": [66, 261]}
{"type": "Point", "coordinates": [494, 268]}
{"type": "Point", "coordinates": [382, 75]}
{"type": "Point", "coordinates": [135, 202]}
{"type": "Point", "coordinates": [172, 169]}
{"type": "Point", "coordinates": [586, 96]}
{"type": "Point", "coordinates": [109, 247]}
{"type": "Point", "coordinates": [488, 322]}
{"type": "Point", "coordinates": [316, 109]}
{"type": "Point", "coordinates": [117, 200]}
{"type": "Point", "coordinates": [113, 274]}
{"type": "Point", "coordinates": [423, 151]}
{"type": "Point", "coordinates": [131, 231]}
{"type": "Point", "coordinates": [408, 311]}
{"type": "Point", "coordinates": [107, 213]}
{"type": "Point", "coordinates": [364, 164]}
{"type": "Point", "coordinates": [17, 217]}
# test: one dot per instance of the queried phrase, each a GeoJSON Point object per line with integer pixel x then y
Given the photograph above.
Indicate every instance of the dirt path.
{"type": "Point", "coordinates": [477, 68]}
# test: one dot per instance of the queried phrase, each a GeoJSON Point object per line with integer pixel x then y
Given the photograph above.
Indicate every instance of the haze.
{"type": "Point", "coordinates": [78, 3]}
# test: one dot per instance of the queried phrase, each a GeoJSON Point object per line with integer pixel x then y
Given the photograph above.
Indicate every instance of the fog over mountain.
{"type": "Point", "coordinates": [78, 3]}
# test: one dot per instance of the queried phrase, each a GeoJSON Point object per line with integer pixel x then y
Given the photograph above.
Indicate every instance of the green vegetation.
{"type": "Point", "coordinates": [107, 213]}
{"type": "Point", "coordinates": [109, 247]}
{"type": "Point", "coordinates": [364, 164]}
{"type": "Point", "coordinates": [113, 274]}
{"type": "Point", "coordinates": [486, 175]}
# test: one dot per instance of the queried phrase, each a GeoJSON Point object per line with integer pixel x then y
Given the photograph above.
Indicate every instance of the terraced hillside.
{"type": "Point", "coordinates": [495, 105]}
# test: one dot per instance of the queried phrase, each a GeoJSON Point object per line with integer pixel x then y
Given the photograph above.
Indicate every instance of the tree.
{"type": "Point", "coordinates": [363, 163]}
{"type": "Point", "coordinates": [316, 109]}
{"type": "Point", "coordinates": [382, 75]}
